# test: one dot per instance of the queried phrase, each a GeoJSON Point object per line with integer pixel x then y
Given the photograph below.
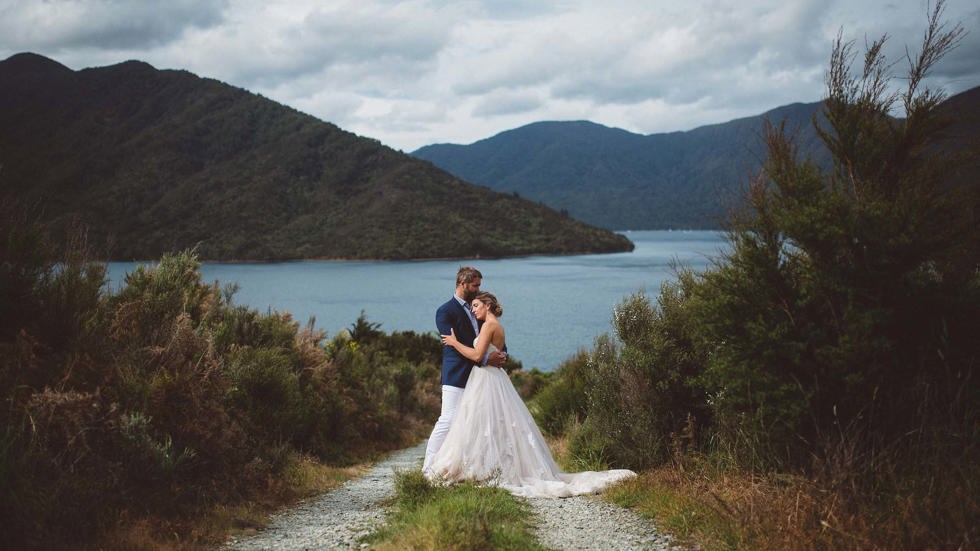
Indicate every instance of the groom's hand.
{"type": "Point", "coordinates": [497, 358]}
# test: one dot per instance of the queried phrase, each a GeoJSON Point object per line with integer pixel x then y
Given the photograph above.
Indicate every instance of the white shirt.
{"type": "Point", "coordinates": [469, 314]}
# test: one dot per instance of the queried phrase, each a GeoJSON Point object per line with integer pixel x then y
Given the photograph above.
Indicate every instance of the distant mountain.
{"type": "Point", "coordinates": [625, 181]}
{"type": "Point", "coordinates": [964, 132]}
{"type": "Point", "coordinates": [158, 161]}
{"type": "Point", "coordinates": [617, 179]}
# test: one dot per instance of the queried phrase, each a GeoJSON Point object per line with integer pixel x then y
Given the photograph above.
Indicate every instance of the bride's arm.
{"type": "Point", "coordinates": [473, 354]}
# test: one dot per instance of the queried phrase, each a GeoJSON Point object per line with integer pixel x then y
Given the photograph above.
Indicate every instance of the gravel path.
{"type": "Point", "coordinates": [336, 519]}
{"type": "Point", "coordinates": [586, 523]}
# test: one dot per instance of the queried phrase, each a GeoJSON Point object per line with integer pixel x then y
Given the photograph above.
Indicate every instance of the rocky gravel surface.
{"type": "Point", "coordinates": [586, 523]}
{"type": "Point", "coordinates": [337, 519]}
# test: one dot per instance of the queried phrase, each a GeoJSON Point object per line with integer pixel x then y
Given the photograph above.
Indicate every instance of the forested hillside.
{"type": "Point", "coordinates": [156, 161]}
{"type": "Point", "coordinates": [617, 179]}
{"type": "Point", "coordinates": [620, 180]}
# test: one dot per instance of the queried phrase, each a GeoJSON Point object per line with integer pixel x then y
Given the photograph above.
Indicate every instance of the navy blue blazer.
{"type": "Point", "coordinates": [455, 367]}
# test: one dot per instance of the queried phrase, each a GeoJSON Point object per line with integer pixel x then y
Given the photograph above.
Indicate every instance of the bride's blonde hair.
{"type": "Point", "coordinates": [491, 301]}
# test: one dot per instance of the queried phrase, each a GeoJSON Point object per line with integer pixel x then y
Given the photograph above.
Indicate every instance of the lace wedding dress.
{"type": "Point", "coordinates": [493, 438]}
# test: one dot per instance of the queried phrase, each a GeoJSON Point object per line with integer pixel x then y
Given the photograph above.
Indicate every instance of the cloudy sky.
{"type": "Point", "coordinates": [418, 72]}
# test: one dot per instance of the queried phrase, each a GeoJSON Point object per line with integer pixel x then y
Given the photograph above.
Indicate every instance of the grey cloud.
{"type": "Point", "coordinates": [373, 50]}
{"type": "Point", "coordinates": [959, 70]}
{"type": "Point", "coordinates": [508, 103]}
{"type": "Point", "coordinates": [103, 24]}
{"type": "Point", "coordinates": [715, 63]}
{"type": "Point", "coordinates": [956, 72]}
{"type": "Point", "coordinates": [485, 80]}
{"type": "Point", "coordinates": [446, 68]}
{"type": "Point", "coordinates": [366, 37]}
{"type": "Point", "coordinates": [508, 10]}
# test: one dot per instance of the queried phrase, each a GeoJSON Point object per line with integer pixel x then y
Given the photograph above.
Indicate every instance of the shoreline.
{"type": "Point", "coordinates": [354, 259]}
{"type": "Point", "coordinates": [624, 233]}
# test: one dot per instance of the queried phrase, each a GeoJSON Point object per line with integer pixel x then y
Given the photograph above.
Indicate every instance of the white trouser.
{"type": "Point", "coordinates": [450, 399]}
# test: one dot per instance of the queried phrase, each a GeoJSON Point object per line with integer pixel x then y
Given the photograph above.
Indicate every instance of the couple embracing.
{"type": "Point", "coordinates": [484, 431]}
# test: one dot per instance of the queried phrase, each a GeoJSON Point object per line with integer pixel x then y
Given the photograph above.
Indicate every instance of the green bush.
{"type": "Point", "coordinates": [238, 326]}
{"type": "Point", "coordinates": [153, 297]}
{"type": "Point", "coordinates": [563, 401]}
{"type": "Point", "coordinates": [837, 334]}
{"type": "Point", "coordinates": [841, 319]}
{"type": "Point", "coordinates": [642, 390]}
{"type": "Point", "coordinates": [265, 385]}
{"type": "Point", "coordinates": [168, 395]}
{"type": "Point", "coordinates": [528, 383]}
{"type": "Point", "coordinates": [588, 445]}
{"type": "Point", "coordinates": [154, 457]}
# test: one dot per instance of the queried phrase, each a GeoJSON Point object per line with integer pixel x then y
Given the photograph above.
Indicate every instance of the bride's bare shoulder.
{"type": "Point", "coordinates": [498, 332]}
{"type": "Point", "coordinates": [492, 327]}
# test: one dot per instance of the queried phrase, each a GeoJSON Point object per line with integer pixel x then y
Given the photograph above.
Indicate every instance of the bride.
{"type": "Point", "coordinates": [493, 437]}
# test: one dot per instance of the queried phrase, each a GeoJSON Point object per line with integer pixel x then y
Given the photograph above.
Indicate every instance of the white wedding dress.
{"type": "Point", "coordinates": [493, 438]}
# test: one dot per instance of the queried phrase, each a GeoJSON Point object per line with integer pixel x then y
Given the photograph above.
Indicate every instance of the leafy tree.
{"type": "Point", "coordinates": [844, 315]}
{"type": "Point", "coordinates": [364, 331]}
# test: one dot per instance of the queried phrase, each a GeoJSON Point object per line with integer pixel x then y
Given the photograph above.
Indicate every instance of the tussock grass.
{"type": "Point", "coordinates": [720, 508]}
{"type": "Point", "coordinates": [697, 509]}
{"type": "Point", "coordinates": [459, 517]}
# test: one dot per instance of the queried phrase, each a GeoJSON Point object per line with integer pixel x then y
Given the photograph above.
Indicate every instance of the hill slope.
{"type": "Point", "coordinates": [620, 180]}
{"type": "Point", "coordinates": [164, 160]}
{"type": "Point", "coordinates": [617, 179]}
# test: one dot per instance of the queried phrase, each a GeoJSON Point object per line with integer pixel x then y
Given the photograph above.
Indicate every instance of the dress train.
{"type": "Point", "coordinates": [493, 438]}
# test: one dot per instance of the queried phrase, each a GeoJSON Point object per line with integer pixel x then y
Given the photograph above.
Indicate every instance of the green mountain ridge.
{"type": "Point", "coordinates": [626, 181]}
{"type": "Point", "coordinates": [161, 160]}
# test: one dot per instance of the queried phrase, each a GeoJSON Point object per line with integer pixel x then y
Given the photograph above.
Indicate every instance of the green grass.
{"type": "Point", "coordinates": [687, 517]}
{"type": "Point", "coordinates": [459, 517]}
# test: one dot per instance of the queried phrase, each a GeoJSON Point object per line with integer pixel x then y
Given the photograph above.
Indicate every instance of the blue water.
{"type": "Point", "coordinates": [553, 305]}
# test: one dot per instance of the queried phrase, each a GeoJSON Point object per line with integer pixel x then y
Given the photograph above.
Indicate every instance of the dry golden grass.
{"type": "Point", "coordinates": [713, 507]}
{"type": "Point", "coordinates": [717, 508]}
{"type": "Point", "coordinates": [559, 450]}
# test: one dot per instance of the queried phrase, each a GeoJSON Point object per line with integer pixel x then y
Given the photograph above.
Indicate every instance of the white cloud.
{"type": "Point", "coordinates": [416, 72]}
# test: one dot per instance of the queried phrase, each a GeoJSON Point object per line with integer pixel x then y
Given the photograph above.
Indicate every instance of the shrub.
{"type": "Point", "coordinates": [529, 383]}
{"type": "Point", "coordinates": [643, 392]}
{"type": "Point", "coordinates": [153, 297]}
{"type": "Point", "coordinates": [167, 395]}
{"type": "Point", "coordinates": [839, 320]}
{"type": "Point", "coordinates": [265, 385]}
{"type": "Point", "coordinates": [563, 401]}
{"type": "Point", "coordinates": [836, 338]}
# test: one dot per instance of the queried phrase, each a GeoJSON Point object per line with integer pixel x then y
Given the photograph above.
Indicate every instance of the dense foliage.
{"type": "Point", "coordinates": [164, 397]}
{"type": "Point", "coordinates": [158, 161]}
{"type": "Point", "coordinates": [838, 335]}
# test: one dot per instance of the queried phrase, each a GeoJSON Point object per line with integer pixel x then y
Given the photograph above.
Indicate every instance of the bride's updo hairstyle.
{"type": "Point", "coordinates": [491, 301]}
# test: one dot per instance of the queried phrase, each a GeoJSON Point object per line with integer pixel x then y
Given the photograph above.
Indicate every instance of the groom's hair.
{"type": "Point", "coordinates": [467, 274]}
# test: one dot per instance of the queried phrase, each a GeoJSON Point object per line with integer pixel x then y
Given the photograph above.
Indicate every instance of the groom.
{"type": "Point", "coordinates": [455, 314]}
